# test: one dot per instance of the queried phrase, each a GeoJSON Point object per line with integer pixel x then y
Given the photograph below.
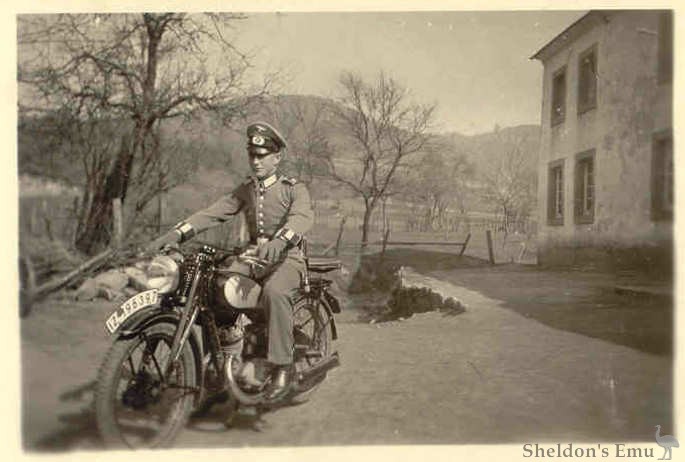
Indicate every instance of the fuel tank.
{"type": "Point", "coordinates": [235, 291]}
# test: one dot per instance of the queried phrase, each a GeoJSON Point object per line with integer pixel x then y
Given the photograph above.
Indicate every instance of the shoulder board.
{"type": "Point", "coordinates": [289, 180]}
{"type": "Point", "coordinates": [248, 180]}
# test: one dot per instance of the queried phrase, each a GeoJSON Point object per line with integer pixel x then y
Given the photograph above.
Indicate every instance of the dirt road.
{"type": "Point", "coordinates": [489, 375]}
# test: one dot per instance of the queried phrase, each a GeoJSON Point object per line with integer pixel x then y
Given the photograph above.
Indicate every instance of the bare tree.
{"type": "Point", "coordinates": [386, 129]}
{"type": "Point", "coordinates": [303, 122]}
{"type": "Point", "coordinates": [509, 185]}
{"type": "Point", "coordinates": [138, 70]}
{"type": "Point", "coordinates": [438, 186]}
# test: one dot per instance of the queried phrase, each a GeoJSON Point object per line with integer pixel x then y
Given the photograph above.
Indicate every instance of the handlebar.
{"type": "Point", "coordinates": [247, 255]}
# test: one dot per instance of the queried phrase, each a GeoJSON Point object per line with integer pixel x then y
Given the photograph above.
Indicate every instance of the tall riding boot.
{"type": "Point", "coordinates": [280, 382]}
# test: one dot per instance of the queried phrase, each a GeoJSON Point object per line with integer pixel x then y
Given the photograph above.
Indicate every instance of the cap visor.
{"type": "Point", "coordinates": [258, 150]}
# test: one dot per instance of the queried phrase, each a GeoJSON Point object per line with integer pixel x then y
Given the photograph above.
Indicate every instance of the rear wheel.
{"type": "Point", "coordinates": [135, 407]}
{"type": "Point", "coordinates": [312, 341]}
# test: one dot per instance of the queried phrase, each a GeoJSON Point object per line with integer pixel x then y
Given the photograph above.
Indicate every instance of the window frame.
{"type": "Point", "coordinates": [580, 191]}
{"type": "Point", "coordinates": [554, 118]}
{"type": "Point", "coordinates": [585, 106]}
{"type": "Point", "coordinates": [553, 193]}
{"type": "Point", "coordinates": [665, 47]}
{"type": "Point", "coordinates": [658, 183]}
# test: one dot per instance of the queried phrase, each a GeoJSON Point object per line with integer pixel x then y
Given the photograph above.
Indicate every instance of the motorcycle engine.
{"type": "Point", "coordinates": [247, 343]}
{"type": "Point", "coordinates": [253, 373]}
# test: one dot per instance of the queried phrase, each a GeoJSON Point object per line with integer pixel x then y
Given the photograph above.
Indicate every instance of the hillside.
{"type": "Point", "coordinates": [218, 153]}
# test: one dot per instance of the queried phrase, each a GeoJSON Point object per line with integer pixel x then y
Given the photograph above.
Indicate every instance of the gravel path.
{"type": "Point", "coordinates": [486, 376]}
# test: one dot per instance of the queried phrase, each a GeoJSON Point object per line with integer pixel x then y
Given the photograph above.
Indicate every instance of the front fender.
{"type": "Point", "coordinates": [155, 315]}
{"type": "Point", "coordinates": [146, 317]}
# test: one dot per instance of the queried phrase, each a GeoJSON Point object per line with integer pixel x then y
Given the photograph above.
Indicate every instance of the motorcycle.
{"type": "Point", "coordinates": [197, 333]}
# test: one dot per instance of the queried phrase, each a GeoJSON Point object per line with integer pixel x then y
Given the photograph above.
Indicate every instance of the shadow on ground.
{"type": "Point", "coordinates": [575, 301]}
{"type": "Point", "coordinates": [78, 428]}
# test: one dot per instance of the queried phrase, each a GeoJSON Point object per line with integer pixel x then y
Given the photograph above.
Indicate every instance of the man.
{"type": "Point", "coordinates": [278, 212]}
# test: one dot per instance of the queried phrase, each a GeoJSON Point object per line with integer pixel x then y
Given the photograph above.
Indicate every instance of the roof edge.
{"type": "Point", "coordinates": [543, 52]}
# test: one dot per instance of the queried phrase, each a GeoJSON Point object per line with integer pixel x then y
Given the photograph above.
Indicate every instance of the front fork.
{"type": "Point", "coordinates": [185, 325]}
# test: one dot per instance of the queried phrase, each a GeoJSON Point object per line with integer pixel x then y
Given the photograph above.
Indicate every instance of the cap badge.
{"type": "Point", "coordinates": [258, 140]}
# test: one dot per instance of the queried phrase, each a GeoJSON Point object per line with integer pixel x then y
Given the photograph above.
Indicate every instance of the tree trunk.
{"type": "Point", "coordinates": [97, 231]}
{"type": "Point", "coordinates": [365, 224]}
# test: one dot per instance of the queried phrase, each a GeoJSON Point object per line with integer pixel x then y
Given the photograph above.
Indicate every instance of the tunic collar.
{"type": "Point", "coordinates": [266, 182]}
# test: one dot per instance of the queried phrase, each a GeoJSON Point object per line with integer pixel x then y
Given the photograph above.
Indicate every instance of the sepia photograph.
{"type": "Point", "coordinates": [275, 228]}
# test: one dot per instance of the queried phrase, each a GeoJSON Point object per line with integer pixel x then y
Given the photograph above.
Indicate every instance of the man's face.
{"type": "Point", "coordinates": [264, 165]}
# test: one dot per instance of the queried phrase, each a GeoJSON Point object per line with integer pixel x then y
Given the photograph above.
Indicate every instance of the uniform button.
{"type": "Point", "coordinates": [261, 214]}
{"type": "Point", "coordinates": [261, 206]}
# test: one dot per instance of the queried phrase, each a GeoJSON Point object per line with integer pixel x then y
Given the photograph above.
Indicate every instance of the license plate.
{"type": "Point", "coordinates": [130, 307]}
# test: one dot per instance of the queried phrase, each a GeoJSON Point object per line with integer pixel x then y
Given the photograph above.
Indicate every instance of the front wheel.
{"type": "Point", "coordinates": [135, 406]}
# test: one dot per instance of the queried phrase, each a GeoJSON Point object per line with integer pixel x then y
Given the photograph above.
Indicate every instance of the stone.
{"type": "Point", "coordinates": [88, 290]}
{"type": "Point", "coordinates": [107, 294]}
{"type": "Point", "coordinates": [114, 280]}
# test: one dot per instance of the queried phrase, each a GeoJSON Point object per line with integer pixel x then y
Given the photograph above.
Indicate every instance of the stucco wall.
{"type": "Point", "coordinates": [631, 107]}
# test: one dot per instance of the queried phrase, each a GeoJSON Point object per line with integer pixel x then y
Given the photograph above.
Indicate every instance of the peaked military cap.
{"type": "Point", "coordinates": [263, 138]}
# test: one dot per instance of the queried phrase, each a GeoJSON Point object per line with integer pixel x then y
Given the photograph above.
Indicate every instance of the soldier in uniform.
{"type": "Point", "coordinates": [278, 212]}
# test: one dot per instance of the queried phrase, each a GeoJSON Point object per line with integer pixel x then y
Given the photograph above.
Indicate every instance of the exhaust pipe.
{"type": "Point", "coordinates": [314, 372]}
{"type": "Point", "coordinates": [319, 368]}
{"type": "Point", "coordinates": [234, 389]}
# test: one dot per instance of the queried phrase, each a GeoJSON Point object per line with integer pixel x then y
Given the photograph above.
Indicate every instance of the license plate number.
{"type": "Point", "coordinates": [130, 307]}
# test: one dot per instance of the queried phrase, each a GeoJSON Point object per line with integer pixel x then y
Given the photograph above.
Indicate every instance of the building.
{"type": "Point", "coordinates": [606, 154]}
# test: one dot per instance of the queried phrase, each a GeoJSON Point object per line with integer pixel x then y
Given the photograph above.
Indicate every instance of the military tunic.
{"type": "Point", "coordinates": [273, 206]}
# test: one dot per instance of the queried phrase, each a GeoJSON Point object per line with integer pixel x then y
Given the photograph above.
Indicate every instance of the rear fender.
{"type": "Point", "coordinates": [333, 303]}
{"type": "Point", "coordinates": [329, 311]}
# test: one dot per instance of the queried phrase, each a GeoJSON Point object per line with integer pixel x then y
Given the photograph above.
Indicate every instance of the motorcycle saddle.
{"type": "Point", "coordinates": [323, 264]}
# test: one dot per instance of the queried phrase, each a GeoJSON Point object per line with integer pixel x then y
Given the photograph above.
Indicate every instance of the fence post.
{"type": "Point", "coordinates": [161, 210]}
{"type": "Point", "coordinates": [466, 242]}
{"type": "Point", "coordinates": [340, 234]}
{"type": "Point", "coordinates": [491, 255]}
{"type": "Point", "coordinates": [118, 221]}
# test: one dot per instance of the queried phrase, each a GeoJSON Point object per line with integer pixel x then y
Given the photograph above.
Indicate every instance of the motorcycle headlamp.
{"type": "Point", "coordinates": [163, 274]}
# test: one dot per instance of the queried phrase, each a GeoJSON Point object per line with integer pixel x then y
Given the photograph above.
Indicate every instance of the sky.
{"type": "Point", "coordinates": [474, 65]}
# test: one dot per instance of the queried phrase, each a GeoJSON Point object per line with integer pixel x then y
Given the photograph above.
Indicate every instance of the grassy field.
{"type": "Point", "coordinates": [51, 217]}
{"type": "Point", "coordinates": [505, 250]}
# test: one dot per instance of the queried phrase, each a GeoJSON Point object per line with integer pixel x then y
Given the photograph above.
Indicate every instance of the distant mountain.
{"type": "Point", "coordinates": [482, 149]}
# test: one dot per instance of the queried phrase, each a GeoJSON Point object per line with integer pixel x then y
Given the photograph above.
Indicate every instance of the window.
{"type": "Point", "coordinates": [662, 176]}
{"type": "Point", "coordinates": [555, 193]}
{"type": "Point", "coordinates": [584, 191]}
{"type": "Point", "coordinates": [665, 52]}
{"type": "Point", "coordinates": [587, 80]}
{"type": "Point", "coordinates": [559, 96]}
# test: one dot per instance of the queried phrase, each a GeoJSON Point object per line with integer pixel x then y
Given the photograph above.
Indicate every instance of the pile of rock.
{"type": "Point", "coordinates": [114, 284]}
{"type": "Point", "coordinates": [415, 293]}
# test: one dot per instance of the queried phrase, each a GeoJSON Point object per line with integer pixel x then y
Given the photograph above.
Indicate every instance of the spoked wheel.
{"type": "Point", "coordinates": [135, 406]}
{"type": "Point", "coordinates": [312, 341]}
